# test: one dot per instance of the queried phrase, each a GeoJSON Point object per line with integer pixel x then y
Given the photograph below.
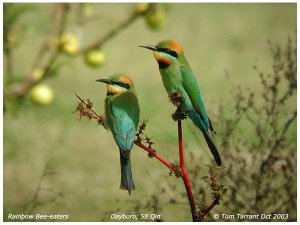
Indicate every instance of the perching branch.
{"type": "Point", "coordinates": [153, 153]}
{"type": "Point", "coordinates": [176, 99]}
{"type": "Point", "coordinates": [185, 177]}
{"type": "Point", "coordinates": [84, 108]}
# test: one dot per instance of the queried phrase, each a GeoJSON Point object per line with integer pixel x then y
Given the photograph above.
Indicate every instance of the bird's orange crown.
{"type": "Point", "coordinates": [167, 51]}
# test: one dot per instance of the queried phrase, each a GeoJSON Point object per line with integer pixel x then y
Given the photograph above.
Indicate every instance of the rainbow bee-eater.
{"type": "Point", "coordinates": [177, 76]}
{"type": "Point", "coordinates": [121, 117]}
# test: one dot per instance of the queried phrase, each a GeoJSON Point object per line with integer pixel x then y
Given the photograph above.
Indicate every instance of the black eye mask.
{"type": "Point", "coordinates": [121, 84]}
{"type": "Point", "coordinates": [168, 51]}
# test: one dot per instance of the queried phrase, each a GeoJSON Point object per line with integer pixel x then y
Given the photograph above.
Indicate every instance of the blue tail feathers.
{"type": "Point", "coordinates": [126, 175]}
{"type": "Point", "coordinates": [213, 148]}
{"type": "Point", "coordinates": [198, 121]}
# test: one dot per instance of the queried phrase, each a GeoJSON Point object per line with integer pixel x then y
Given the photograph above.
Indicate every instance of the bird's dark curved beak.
{"type": "Point", "coordinates": [151, 47]}
{"type": "Point", "coordinates": [107, 81]}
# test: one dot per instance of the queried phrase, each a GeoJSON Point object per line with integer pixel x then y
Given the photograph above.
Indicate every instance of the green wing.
{"type": "Point", "coordinates": [129, 102]}
{"type": "Point", "coordinates": [192, 88]}
{"type": "Point", "coordinates": [122, 117]}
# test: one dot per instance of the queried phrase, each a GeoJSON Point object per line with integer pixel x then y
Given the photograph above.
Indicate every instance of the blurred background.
{"type": "Point", "coordinates": [244, 56]}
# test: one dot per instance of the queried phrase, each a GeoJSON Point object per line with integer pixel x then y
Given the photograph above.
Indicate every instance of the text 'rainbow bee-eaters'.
{"type": "Point", "coordinates": [177, 75]}
{"type": "Point", "coordinates": [121, 117]}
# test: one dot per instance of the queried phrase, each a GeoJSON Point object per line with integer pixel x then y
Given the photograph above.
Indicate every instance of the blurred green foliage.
{"type": "Point", "coordinates": [85, 178]}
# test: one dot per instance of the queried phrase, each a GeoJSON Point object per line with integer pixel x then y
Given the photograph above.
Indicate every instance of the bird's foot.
{"type": "Point", "coordinates": [178, 115]}
{"type": "Point", "coordinates": [176, 98]}
{"type": "Point", "coordinates": [176, 170]}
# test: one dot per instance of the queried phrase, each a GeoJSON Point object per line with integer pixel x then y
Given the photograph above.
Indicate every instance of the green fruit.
{"type": "Point", "coordinates": [41, 94]}
{"type": "Point", "coordinates": [95, 58]}
{"type": "Point", "coordinates": [142, 7]}
{"type": "Point", "coordinates": [88, 8]}
{"type": "Point", "coordinates": [37, 74]}
{"type": "Point", "coordinates": [156, 19]}
{"type": "Point", "coordinates": [12, 38]}
{"type": "Point", "coordinates": [68, 44]}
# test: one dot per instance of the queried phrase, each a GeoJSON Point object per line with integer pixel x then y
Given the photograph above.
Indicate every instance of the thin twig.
{"type": "Point", "coordinates": [111, 34]}
{"type": "Point", "coordinates": [40, 56]}
{"type": "Point", "coordinates": [96, 114]}
{"type": "Point", "coordinates": [287, 124]}
{"type": "Point", "coordinates": [210, 207]}
{"type": "Point", "coordinates": [34, 201]}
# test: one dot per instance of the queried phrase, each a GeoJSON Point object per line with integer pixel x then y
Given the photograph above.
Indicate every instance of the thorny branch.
{"type": "Point", "coordinates": [85, 109]}
{"type": "Point", "coordinates": [152, 153]}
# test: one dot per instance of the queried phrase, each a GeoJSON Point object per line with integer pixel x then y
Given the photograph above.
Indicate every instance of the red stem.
{"type": "Point", "coordinates": [185, 177]}
{"type": "Point", "coordinates": [152, 152]}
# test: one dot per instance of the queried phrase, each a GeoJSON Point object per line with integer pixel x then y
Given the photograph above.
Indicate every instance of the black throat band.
{"type": "Point", "coordinates": [162, 65]}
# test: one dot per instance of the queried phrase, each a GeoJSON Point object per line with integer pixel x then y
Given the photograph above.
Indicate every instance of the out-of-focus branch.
{"type": "Point", "coordinates": [135, 15]}
{"type": "Point", "coordinates": [8, 67]}
{"type": "Point", "coordinates": [21, 89]}
{"type": "Point", "coordinates": [7, 45]}
{"type": "Point", "coordinates": [112, 33]}
{"type": "Point", "coordinates": [33, 203]}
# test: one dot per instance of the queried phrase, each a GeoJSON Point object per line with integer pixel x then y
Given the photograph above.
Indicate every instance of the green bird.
{"type": "Point", "coordinates": [122, 117]}
{"type": "Point", "coordinates": [177, 75]}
